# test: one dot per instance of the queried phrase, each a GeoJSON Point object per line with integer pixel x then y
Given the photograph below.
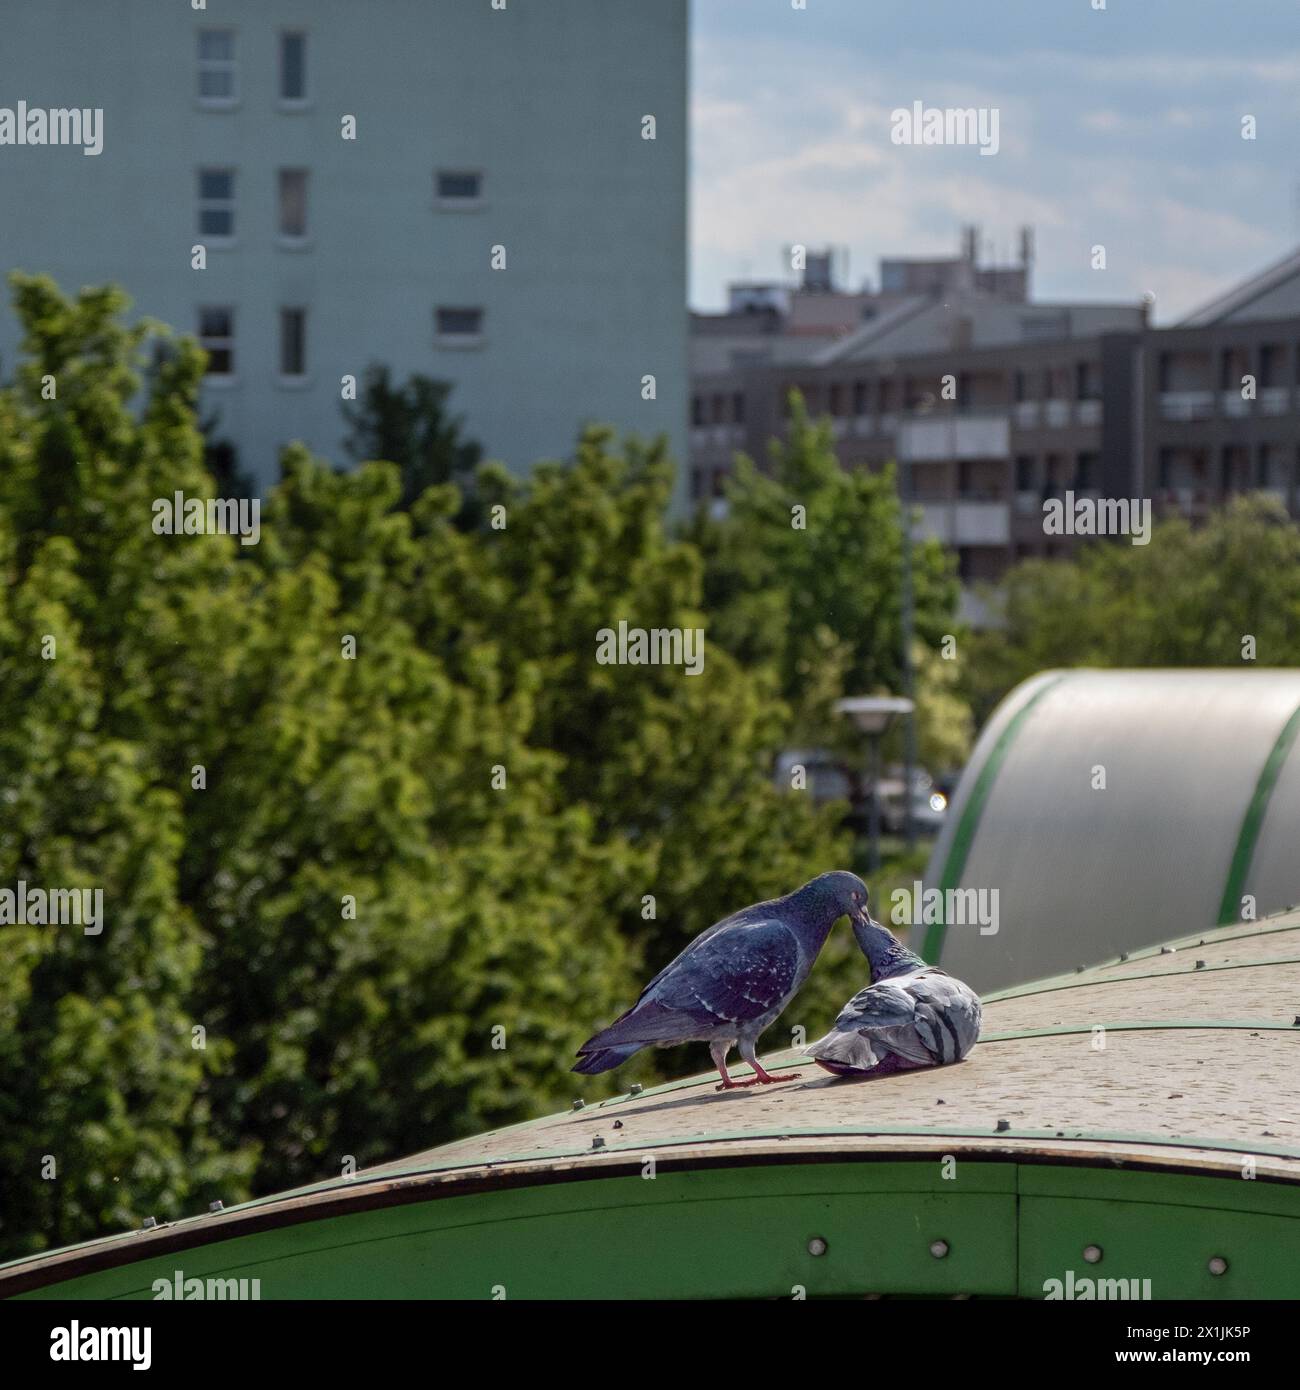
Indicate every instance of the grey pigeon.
{"type": "Point", "coordinates": [733, 980]}
{"type": "Point", "coordinates": [911, 1015]}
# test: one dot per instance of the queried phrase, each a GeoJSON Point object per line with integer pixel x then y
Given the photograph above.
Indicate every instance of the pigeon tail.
{"type": "Point", "coordinates": [606, 1059]}
{"type": "Point", "coordinates": [848, 1049]}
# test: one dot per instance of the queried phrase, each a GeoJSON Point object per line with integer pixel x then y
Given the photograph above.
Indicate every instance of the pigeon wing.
{"type": "Point", "coordinates": [736, 973]}
{"type": "Point", "coordinates": [888, 1004]}
{"type": "Point", "coordinates": [735, 976]}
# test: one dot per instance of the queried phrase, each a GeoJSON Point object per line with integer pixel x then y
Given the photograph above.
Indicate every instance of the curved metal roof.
{"type": "Point", "coordinates": [1198, 811]}
{"type": "Point", "coordinates": [1052, 1135]}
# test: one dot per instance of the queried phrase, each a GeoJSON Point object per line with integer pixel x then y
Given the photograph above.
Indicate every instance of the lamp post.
{"type": "Point", "coordinates": [872, 715]}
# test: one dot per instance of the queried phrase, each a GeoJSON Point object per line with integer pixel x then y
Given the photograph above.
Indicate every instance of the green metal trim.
{"type": "Point", "coordinates": [1142, 1026]}
{"type": "Point", "coordinates": [1211, 936]}
{"type": "Point", "coordinates": [1026, 991]}
{"type": "Point", "coordinates": [1253, 820]}
{"type": "Point", "coordinates": [1009, 1224]}
{"type": "Point", "coordinates": [962, 839]}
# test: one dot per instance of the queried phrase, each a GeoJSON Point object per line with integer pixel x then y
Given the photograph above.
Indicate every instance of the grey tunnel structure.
{"type": "Point", "coordinates": [1114, 809]}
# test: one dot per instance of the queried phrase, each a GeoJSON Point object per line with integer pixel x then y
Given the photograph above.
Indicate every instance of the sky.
{"type": "Point", "coordinates": [1119, 127]}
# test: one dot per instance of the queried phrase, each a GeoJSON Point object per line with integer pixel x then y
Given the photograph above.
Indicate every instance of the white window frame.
{"type": "Point", "coordinates": [459, 340]}
{"type": "Point", "coordinates": [291, 378]}
{"type": "Point", "coordinates": [208, 341]}
{"type": "Point", "coordinates": [292, 103]}
{"type": "Point", "coordinates": [447, 203]}
{"type": "Point", "coordinates": [201, 65]}
{"type": "Point", "coordinates": [294, 241]}
{"type": "Point", "coordinates": [202, 203]}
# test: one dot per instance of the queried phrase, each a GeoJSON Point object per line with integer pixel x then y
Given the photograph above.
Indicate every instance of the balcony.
{"type": "Point", "coordinates": [955, 437]}
{"type": "Point", "coordinates": [1187, 405]}
{"type": "Point", "coordinates": [966, 523]}
{"type": "Point", "coordinates": [1274, 400]}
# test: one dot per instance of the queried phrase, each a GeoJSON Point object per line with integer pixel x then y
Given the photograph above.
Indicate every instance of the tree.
{"type": "Point", "coordinates": [372, 822]}
{"type": "Point", "coordinates": [804, 572]}
{"type": "Point", "coordinates": [1188, 598]}
{"type": "Point", "coordinates": [410, 426]}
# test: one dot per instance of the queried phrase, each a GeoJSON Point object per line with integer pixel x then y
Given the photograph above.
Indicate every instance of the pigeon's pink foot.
{"type": "Point", "coordinates": [764, 1079]}
{"type": "Point", "coordinates": [727, 1084]}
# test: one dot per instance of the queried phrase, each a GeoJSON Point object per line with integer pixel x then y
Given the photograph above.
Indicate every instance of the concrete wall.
{"type": "Point", "coordinates": [547, 100]}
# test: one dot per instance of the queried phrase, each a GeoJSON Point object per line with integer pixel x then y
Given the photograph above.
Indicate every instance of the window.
{"type": "Point", "coordinates": [293, 342]}
{"type": "Point", "coordinates": [459, 325]}
{"type": "Point", "coordinates": [293, 203]}
{"type": "Point", "coordinates": [1087, 471]}
{"type": "Point", "coordinates": [458, 188]}
{"type": "Point", "coordinates": [217, 339]}
{"type": "Point", "coordinates": [217, 203]}
{"type": "Point", "coordinates": [293, 66]}
{"type": "Point", "coordinates": [1025, 472]}
{"type": "Point", "coordinates": [218, 81]}
{"type": "Point", "coordinates": [697, 411]}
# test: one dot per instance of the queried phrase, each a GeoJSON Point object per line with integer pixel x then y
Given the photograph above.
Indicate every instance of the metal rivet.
{"type": "Point", "coordinates": [1218, 1265]}
{"type": "Point", "coordinates": [1168, 950]}
{"type": "Point", "coordinates": [150, 1222]}
{"type": "Point", "coordinates": [579, 1104]}
{"type": "Point", "coordinates": [1200, 965]}
{"type": "Point", "coordinates": [618, 1124]}
{"type": "Point", "coordinates": [1123, 955]}
{"type": "Point", "coordinates": [214, 1206]}
{"type": "Point", "coordinates": [1092, 1253]}
{"type": "Point", "coordinates": [817, 1246]}
{"type": "Point", "coordinates": [1003, 1126]}
{"type": "Point", "coordinates": [939, 1249]}
{"type": "Point", "coordinates": [634, 1089]}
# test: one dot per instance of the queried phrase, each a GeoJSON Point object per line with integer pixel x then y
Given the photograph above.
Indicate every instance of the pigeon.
{"type": "Point", "coordinates": [911, 1015]}
{"type": "Point", "coordinates": [733, 980]}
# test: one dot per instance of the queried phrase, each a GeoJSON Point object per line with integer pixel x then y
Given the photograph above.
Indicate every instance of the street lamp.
{"type": "Point", "coordinates": [872, 715]}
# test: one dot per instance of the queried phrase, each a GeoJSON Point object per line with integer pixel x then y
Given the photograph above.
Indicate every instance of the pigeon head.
{"type": "Point", "coordinates": [840, 893]}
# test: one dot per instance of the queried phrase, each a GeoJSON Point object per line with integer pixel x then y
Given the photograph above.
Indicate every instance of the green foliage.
{"type": "Point", "coordinates": [1186, 599]}
{"type": "Point", "coordinates": [410, 426]}
{"type": "Point", "coordinates": [804, 573]}
{"type": "Point", "coordinates": [483, 915]}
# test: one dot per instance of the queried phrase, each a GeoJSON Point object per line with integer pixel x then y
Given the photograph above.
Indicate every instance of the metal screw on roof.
{"type": "Point", "coordinates": [579, 1104]}
{"type": "Point", "coordinates": [618, 1124]}
{"type": "Point", "coordinates": [939, 1249]}
{"type": "Point", "coordinates": [150, 1222]}
{"type": "Point", "coordinates": [817, 1246]}
{"type": "Point", "coordinates": [1003, 1126]}
{"type": "Point", "coordinates": [1295, 1022]}
{"type": "Point", "coordinates": [1092, 1253]}
{"type": "Point", "coordinates": [634, 1089]}
{"type": "Point", "coordinates": [1078, 969]}
{"type": "Point", "coordinates": [1218, 1265]}
{"type": "Point", "coordinates": [1168, 950]}
{"type": "Point", "coordinates": [597, 1142]}
{"type": "Point", "coordinates": [214, 1206]}
{"type": "Point", "coordinates": [1123, 955]}
{"type": "Point", "coordinates": [1200, 965]}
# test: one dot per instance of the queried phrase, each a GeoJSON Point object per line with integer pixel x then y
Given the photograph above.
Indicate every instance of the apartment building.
{"type": "Point", "coordinates": [458, 190]}
{"type": "Point", "coordinates": [992, 406]}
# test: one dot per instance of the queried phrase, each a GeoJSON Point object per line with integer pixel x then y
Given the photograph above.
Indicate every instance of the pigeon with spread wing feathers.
{"type": "Point", "coordinates": [733, 980]}
{"type": "Point", "coordinates": [911, 1015]}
